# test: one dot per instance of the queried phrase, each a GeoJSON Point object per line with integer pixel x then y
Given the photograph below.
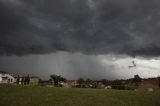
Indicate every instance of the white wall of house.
{"type": "Point", "coordinates": [0, 77]}
{"type": "Point", "coordinates": [6, 78]}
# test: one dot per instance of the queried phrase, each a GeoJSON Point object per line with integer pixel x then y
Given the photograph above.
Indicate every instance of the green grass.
{"type": "Point", "coordinates": [43, 96]}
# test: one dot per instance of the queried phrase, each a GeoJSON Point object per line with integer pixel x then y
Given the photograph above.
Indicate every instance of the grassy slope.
{"type": "Point", "coordinates": [43, 96]}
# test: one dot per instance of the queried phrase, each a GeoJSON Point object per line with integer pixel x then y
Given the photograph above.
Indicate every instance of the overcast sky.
{"type": "Point", "coordinates": [80, 38]}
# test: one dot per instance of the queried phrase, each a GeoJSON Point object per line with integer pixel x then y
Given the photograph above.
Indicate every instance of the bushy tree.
{"type": "Point", "coordinates": [56, 79]}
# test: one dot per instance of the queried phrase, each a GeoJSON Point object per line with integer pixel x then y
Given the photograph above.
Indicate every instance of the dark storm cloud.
{"type": "Point", "coordinates": [88, 26]}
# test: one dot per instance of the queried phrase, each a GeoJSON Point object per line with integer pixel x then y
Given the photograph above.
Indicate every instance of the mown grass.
{"type": "Point", "coordinates": [43, 96]}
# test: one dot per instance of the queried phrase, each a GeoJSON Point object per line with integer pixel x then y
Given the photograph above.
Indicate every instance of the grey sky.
{"type": "Point", "coordinates": [76, 65]}
{"type": "Point", "coordinates": [36, 29]}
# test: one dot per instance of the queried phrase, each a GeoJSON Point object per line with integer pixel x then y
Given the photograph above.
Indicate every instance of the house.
{"type": "Point", "coordinates": [34, 80]}
{"type": "Point", "coordinates": [149, 84]}
{"type": "Point", "coordinates": [72, 83]}
{"type": "Point", "coordinates": [6, 78]}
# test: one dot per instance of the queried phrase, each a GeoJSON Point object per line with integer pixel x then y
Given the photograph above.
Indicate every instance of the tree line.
{"type": "Point", "coordinates": [128, 84]}
{"type": "Point", "coordinates": [25, 80]}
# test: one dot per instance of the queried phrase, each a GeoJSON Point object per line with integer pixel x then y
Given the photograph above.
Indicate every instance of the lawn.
{"type": "Point", "coordinates": [43, 96]}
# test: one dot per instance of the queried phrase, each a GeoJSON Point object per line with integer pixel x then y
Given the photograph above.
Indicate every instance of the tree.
{"type": "Point", "coordinates": [18, 79]}
{"type": "Point", "coordinates": [88, 82]}
{"type": "Point", "coordinates": [28, 80]}
{"type": "Point", "coordinates": [22, 81]}
{"type": "Point", "coordinates": [80, 82]}
{"type": "Point", "coordinates": [56, 79]}
{"type": "Point", "coordinates": [136, 80]}
{"type": "Point", "coordinates": [116, 82]}
{"type": "Point", "coordinates": [104, 82]}
{"type": "Point", "coordinates": [62, 79]}
{"type": "Point", "coordinates": [25, 80]}
{"type": "Point", "coordinates": [159, 81]}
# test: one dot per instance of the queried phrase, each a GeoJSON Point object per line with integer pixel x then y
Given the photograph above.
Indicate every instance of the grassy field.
{"type": "Point", "coordinates": [43, 96]}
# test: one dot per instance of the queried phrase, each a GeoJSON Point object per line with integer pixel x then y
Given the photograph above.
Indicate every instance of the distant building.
{"type": "Point", "coordinates": [72, 83]}
{"type": "Point", "coordinates": [6, 78]}
{"type": "Point", "coordinates": [34, 80]}
{"type": "Point", "coordinates": [150, 84]}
